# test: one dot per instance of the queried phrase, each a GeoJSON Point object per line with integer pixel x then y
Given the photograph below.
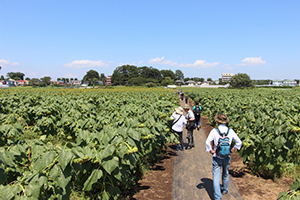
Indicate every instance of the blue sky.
{"type": "Point", "coordinates": [202, 38]}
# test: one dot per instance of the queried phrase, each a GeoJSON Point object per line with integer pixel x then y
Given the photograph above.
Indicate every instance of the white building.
{"type": "Point", "coordinates": [226, 77]}
{"type": "Point", "coordinates": [277, 82]}
{"type": "Point", "coordinates": [289, 82]}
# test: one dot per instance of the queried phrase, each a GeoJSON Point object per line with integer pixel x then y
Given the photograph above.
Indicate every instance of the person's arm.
{"type": "Point", "coordinates": [208, 141]}
{"type": "Point", "coordinates": [191, 115]}
{"type": "Point", "coordinates": [238, 142]}
{"type": "Point", "coordinates": [173, 115]}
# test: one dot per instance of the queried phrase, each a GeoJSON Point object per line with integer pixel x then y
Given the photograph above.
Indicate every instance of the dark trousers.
{"type": "Point", "coordinates": [179, 137]}
{"type": "Point", "coordinates": [190, 138]}
{"type": "Point", "coordinates": [197, 120]}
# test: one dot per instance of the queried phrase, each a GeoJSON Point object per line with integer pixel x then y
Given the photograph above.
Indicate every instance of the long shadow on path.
{"type": "Point", "coordinates": [207, 184]}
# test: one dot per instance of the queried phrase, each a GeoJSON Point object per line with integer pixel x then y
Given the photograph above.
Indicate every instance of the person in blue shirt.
{"type": "Point", "coordinates": [197, 112]}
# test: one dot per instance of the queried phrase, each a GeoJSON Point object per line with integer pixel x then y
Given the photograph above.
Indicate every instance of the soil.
{"type": "Point", "coordinates": [157, 183]}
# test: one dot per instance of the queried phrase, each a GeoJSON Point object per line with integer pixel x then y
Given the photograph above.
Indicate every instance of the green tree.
{"type": "Point", "coordinates": [16, 75]}
{"type": "Point", "coordinates": [241, 80]}
{"type": "Point", "coordinates": [167, 73]}
{"type": "Point", "coordinates": [186, 79]}
{"type": "Point", "coordinates": [27, 79]}
{"type": "Point", "coordinates": [121, 75]}
{"type": "Point", "coordinates": [2, 77]}
{"type": "Point", "coordinates": [46, 80]}
{"type": "Point", "coordinates": [33, 81]}
{"type": "Point", "coordinates": [167, 81]}
{"type": "Point", "coordinates": [179, 75]}
{"type": "Point", "coordinates": [149, 73]}
{"type": "Point", "coordinates": [150, 84]}
{"type": "Point", "coordinates": [103, 78]}
{"type": "Point", "coordinates": [91, 75]}
{"type": "Point", "coordinates": [209, 79]}
{"type": "Point", "coordinates": [137, 81]}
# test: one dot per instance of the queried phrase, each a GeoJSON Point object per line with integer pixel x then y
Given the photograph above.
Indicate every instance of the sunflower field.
{"type": "Point", "coordinates": [96, 141]}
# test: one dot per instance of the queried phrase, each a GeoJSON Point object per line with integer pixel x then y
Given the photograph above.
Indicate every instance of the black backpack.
{"type": "Point", "coordinates": [197, 110]}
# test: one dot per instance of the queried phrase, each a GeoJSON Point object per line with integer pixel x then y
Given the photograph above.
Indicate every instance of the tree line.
{"type": "Point", "coordinates": [130, 75]}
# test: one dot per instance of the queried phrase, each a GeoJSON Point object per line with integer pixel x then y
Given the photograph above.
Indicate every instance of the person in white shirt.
{"type": "Point", "coordinates": [179, 121]}
{"type": "Point", "coordinates": [219, 161]}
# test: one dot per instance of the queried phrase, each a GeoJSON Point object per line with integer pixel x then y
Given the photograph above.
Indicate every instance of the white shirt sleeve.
{"type": "Point", "coordinates": [209, 139]}
{"type": "Point", "coordinates": [238, 142]}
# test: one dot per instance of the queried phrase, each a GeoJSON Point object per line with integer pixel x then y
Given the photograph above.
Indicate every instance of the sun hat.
{"type": "Point", "coordinates": [186, 106]}
{"type": "Point", "coordinates": [179, 110]}
{"type": "Point", "coordinates": [221, 118]}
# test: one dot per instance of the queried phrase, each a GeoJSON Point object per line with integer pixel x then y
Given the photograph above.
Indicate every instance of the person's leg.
{"type": "Point", "coordinates": [216, 177]}
{"type": "Point", "coordinates": [180, 140]}
{"type": "Point", "coordinates": [196, 121]}
{"type": "Point", "coordinates": [225, 174]}
{"type": "Point", "coordinates": [189, 139]}
{"type": "Point", "coordinates": [192, 138]}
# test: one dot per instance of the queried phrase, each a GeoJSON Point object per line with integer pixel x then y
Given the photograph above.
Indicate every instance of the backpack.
{"type": "Point", "coordinates": [223, 148]}
{"type": "Point", "coordinates": [197, 110]}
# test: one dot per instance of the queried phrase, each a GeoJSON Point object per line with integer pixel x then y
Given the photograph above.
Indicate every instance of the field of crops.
{"type": "Point", "coordinates": [57, 141]}
{"type": "Point", "coordinates": [267, 121]}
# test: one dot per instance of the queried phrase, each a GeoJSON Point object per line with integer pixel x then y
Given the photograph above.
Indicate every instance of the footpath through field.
{"type": "Point", "coordinates": [192, 172]}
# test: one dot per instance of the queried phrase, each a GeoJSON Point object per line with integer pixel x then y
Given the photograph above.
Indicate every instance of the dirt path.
{"type": "Point", "coordinates": [192, 172]}
{"type": "Point", "coordinates": [157, 184]}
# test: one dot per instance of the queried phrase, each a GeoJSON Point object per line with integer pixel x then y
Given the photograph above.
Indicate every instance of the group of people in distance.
{"type": "Point", "coordinates": [221, 136]}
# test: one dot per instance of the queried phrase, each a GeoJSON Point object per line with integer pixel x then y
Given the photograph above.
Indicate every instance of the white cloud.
{"type": "Point", "coordinates": [87, 63]}
{"type": "Point", "coordinates": [161, 61]}
{"type": "Point", "coordinates": [132, 63]}
{"type": "Point", "coordinates": [252, 61]}
{"type": "Point", "coordinates": [7, 62]}
{"type": "Point", "coordinates": [156, 60]}
{"type": "Point", "coordinates": [197, 64]}
{"type": "Point", "coordinates": [200, 64]}
{"type": "Point", "coordinates": [71, 76]}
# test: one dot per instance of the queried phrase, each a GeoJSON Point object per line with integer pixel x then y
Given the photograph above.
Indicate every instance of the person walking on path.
{"type": "Point", "coordinates": [186, 100]}
{"type": "Point", "coordinates": [177, 127]}
{"type": "Point", "coordinates": [181, 96]}
{"type": "Point", "coordinates": [222, 137]}
{"type": "Point", "coordinates": [190, 126]}
{"type": "Point", "coordinates": [197, 112]}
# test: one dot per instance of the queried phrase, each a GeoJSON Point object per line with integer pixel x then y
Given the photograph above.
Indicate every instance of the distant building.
{"type": "Point", "coordinates": [277, 82]}
{"type": "Point", "coordinates": [22, 82]}
{"type": "Point", "coordinates": [108, 80]}
{"type": "Point", "coordinates": [287, 82]}
{"type": "Point", "coordinates": [60, 82]}
{"type": "Point", "coordinates": [76, 83]}
{"type": "Point", "coordinates": [11, 82]}
{"type": "Point", "coordinates": [226, 77]}
{"type": "Point", "coordinates": [190, 82]}
{"type": "Point", "coordinates": [179, 82]}
{"type": "Point", "coordinates": [99, 82]}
